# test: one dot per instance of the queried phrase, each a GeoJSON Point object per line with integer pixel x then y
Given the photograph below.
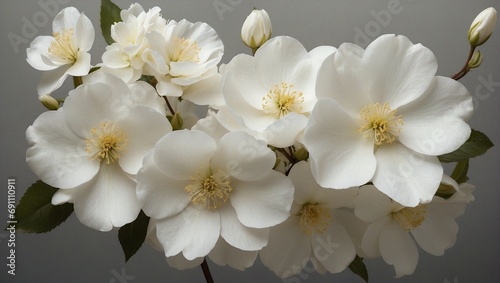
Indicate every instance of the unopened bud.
{"type": "Point", "coordinates": [49, 102]}
{"type": "Point", "coordinates": [176, 121]}
{"type": "Point", "coordinates": [482, 27]}
{"type": "Point", "coordinates": [256, 29]}
{"type": "Point", "coordinates": [301, 154]}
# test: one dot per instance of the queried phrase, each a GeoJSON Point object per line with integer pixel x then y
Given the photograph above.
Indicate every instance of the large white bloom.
{"type": "Point", "coordinates": [184, 54]}
{"type": "Point", "coordinates": [123, 58]}
{"type": "Point", "coordinates": [65, 53]}
{"type": "Point", "coordinates": [383, 116]}
{"type": "Point", "coordinates": [93, 146]}
{"type": "Point", "coordinates": [317, 230]}
{"type": "Point", "coordinates": [271, 95]}
{"type": "Point", "coordinates": [389, 235]}
{"type": "Point", "coordinates": [199, 189]}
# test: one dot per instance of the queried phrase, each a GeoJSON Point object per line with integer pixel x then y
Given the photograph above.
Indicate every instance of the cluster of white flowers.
{"type": "Point", "coordinates": [303, 156]}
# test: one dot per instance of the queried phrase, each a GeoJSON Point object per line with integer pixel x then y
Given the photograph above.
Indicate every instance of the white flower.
{"type": "Point", "coordinates": [482, 27]}
{"type": "Point", "coordinates": [93, 146]}
{"type": "Point", "coordinates": [384, 117]}
{"type": "Point", "coordinates": [183, 55]}
{"type": "Point", "coordinates": [389, 235]}
{"type": "Point", "coordinates": [256, 29]}
{"type": "Point", "coordinates": [65, 53]}
{"type": "Point", "coordinates": [198, 190]}
{"type": "Point", "coordinates": [317, 230]}
{"type": "Point", "coordinates": [124, 58]}
{"type": "Point", "coordinates": [271, 95]}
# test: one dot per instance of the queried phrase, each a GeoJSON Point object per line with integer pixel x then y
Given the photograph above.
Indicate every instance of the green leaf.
{"type": "Point", "coordinates": [477, 144]}
{"type": "Point", "coordinates": [110, 14]}
{"type": "Point", "coordinates": [35, 212]}
{"type": "Point", "coordinates": [133, 234]}
{"type": "Point", "coordinates": [460, 172]}
{"type": "Point", "coordinates": [358, 267]}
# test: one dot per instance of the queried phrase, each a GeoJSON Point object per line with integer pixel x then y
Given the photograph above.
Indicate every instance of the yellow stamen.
{"type": "Point", "coordinates": [106, 142]}
{"type": "Point", "coordinates": [281, 100]}
{"type": "Point", "coordinates": [62, 47]}
{"type": "Point", "coordinates": [380, 123]}
{"type": "Point", "coordinates": [314, 217]}
{"type": "Point", "coordinates": [183, 49]}
{"type": "Point", "coordinates": [410, 218]}
{"type": "Point", "coordinates": [209, 190]}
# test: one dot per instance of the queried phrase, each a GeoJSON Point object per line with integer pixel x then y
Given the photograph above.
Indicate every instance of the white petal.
{"type": "Point", "coordinates": [206, 92]}
{"type": "Point", "coordinates": [405, 176]}
{"type": "Point", "coordinates": [340, 156]}
{"type": "Point", "coordinates": [181, 154]}
{"type": "Point", "coordinates": [167, 88]}
{"type": "Point", "coordinates": [436, 233]}
{"type": "Point", "coordinates": [224, 254]}
{"type": "Point", "coordinates": [398, 249]}
{"type": "Point", "coordinates": [115, 59]}
{"type": "Point", "coordinates": [239, 236]}
{"type": "Point", "coordinates": [434, 124]}
{"type": "Point", "coordinates": [52, 80]}
{"type": "Point", "coordinates": [285, 131]}
{"type": "Point", "coordinates": [243, 157]}
{"type": "Point", "coordinates": [56, 155]}
{"type": "Point", "coordinates": [143, 127]}
{"type": "Point", "coordinates": [262, 203]}
{"type": "Point", "coordinates": [161, 196]}
{"type": "Point", "coordinates": [398, 70]}
{"type": "Point", "coordinates": [354, 226]}
{"type": "Point", "coordinates": [193, 232]}
{"type": "Point", "coordinates": [370, 243]}
{"type": "Point", "coordinates": [84, 33]}
{"type": "Point", "coordinates": [37, 52]}
{"type": "Point", "coordinates": [106, 201]}
{"type": "Point", "coordinates": [371, 204]}
{"type": "Point", "coordinates": [65, 19]}
{"type": "Point", "coordinates": [82, 65]}
{"type": "Point", "coordinates": [288, 250]}
{"type": "Point", "coordinates": [333, 249]}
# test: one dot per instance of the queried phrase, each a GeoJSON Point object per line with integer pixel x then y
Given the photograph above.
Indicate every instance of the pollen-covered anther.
{"type": "Point", "coordinates": [380, 123]}
{"type": "Point", "coordinates": [281, 100]}
{"type": "Point", "coordinates": [314, 218]}
{"type": "Point", "coordinates": [106, 142]}
{"type": "Point", "coordinates": [62, 46]}
{"type": "Point", "coordinates": [184, 49]}
{"type": "Point", "coordinates": [410, 218]}
{"type": "Point", "coordinates": [209, 190]}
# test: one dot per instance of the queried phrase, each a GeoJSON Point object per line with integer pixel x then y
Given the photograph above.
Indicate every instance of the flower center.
{"type": "Point", "coordinates": [281, 100]}
{"type": "Point", "coordinates": [410, 218]}
{"type": "Point", "coordinates": [183, 49]}
{"type": "Point", "coordinates": [380, 123]}
{"type": "Point", "coordinates": [62, 46]}
{"type": "Point", "coordinates": [209, 190]}
{"type": "Point", "coordinates": [313, 217]}
{"type": "Point", "coordinates": [106, 142]}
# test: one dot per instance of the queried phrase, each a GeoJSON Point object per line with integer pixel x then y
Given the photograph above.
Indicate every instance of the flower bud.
{"type": "Point", "coordinates": [256, 29]}
{"type": "Point", "coordinates": [482, 26]}
{"type": "Point", "coordinates": [49, 102]}
{"type": "Point", "coordinates": [476, 60]}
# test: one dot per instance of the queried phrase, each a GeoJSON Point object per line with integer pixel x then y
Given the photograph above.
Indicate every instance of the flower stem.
{"type": "Point", "coordinates": [465, 68]}
{"type": "Point", "coordinates": [206, 271]}
{"type": "Point", "coordinates": [169, 106]}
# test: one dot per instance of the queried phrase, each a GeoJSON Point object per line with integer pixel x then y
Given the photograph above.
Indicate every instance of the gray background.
{"type": "Point", "coordinates": [74, 253]}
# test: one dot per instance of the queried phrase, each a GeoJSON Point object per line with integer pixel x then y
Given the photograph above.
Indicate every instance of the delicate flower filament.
{"type": "Point", "coordinates": [106, 142]}
{"type": "Point", "coordinates": [380, 123]}
{"type": "Point", "coordinates": [62, 46]}
{"type": "Point", "coordinates": [314, 217]}
{"type": "Point", "coordinates": [410, 218]}
{"type": "Point", "coordinates": [209, 190]}
{"type": "Point", "coordinates": [183, 49]}
{"type": "Point", "coordinates": [281, 100]}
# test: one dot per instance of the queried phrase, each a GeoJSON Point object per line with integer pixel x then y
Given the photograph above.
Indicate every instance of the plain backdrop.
{"type": "Point", "coordinates": [75, 253]}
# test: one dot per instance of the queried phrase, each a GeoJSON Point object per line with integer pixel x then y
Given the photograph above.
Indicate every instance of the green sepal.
{"type": "Point", "coordinates": [35, 212]}
{"type": "Point", "coordinates": [358, 267]}
{"type": "Point", "coordinates": [460, 172]}
{"type": "Point", "coordinates": [110, 14]}
{"type": "Point", "coordinates": [133, 235]}
{"type": "Point", "coordinates": [477, 144]}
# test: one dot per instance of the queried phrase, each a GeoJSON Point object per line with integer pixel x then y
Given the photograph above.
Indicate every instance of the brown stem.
{"type": "Point", "coordinates": [169, 106]}
{"type": "Point", "coordinates": [465, 68]}
{"type": "Point", "coordinates": [206, 271]}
